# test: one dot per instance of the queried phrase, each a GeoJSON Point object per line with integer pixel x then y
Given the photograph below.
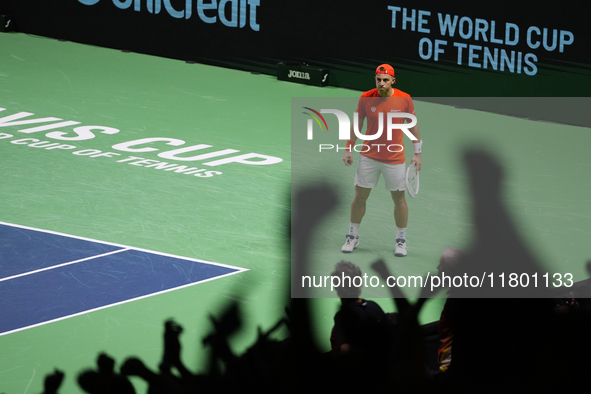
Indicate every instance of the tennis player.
{"type": "Point", "coordinates": [381, 155]}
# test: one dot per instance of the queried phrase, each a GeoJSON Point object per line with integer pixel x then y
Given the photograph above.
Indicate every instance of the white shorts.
{"type": "Point", "coordinates": [368, 174]}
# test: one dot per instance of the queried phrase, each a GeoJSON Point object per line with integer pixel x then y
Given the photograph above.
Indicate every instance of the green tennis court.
{"type": "Point", "coordinates": [235, 213]}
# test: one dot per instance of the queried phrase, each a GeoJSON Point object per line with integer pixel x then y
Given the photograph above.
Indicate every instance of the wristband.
{"type": "Point", "coordinates": [418, 146]}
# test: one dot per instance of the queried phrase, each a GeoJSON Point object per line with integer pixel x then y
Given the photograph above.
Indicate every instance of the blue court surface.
{"type": "Point", "coordinates": [47, 276]}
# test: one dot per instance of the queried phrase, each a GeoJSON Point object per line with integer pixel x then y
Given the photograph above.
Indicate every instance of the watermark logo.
{"type": "Point", "coordinates": [315, 117]}
{"type": "Point", "coordinates": [393, 121]}
{"type": "Point", "coordinates": [345, 124]}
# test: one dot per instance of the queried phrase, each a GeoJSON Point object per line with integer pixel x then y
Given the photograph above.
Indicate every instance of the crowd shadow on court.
{"type": "Point", "coordinates": [517, 340]}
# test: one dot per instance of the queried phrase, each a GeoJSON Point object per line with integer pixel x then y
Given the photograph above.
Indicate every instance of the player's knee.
{"type": "Point", "coordinates": [359, 201]}
{"type": "Point", "coordinates": [361, 195]}
{"type": "Point", "coordinates": [398, 197]}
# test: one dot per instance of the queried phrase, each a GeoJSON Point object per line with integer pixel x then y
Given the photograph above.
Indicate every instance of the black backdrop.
{"type": "Point", "coordinates": [348, 37]}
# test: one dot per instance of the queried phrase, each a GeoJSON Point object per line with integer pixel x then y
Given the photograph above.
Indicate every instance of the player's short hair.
{"type": "Point", "coordinates": [347, 289]}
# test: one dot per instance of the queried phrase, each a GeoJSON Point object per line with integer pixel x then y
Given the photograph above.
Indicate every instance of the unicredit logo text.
{"type": "Point", "coordinates": [231, 13]}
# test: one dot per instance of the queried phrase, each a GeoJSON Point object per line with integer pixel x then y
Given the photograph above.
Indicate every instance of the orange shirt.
{"type": "Point", "coordinates": [373, 107]}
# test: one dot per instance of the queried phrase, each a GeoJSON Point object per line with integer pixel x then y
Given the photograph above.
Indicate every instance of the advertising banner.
{"type": "Point", "coordinates": [456, 49]}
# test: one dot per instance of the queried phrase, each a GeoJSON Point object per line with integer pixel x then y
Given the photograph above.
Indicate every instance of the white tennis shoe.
{"type": "Point", "coordinates": [350, 243]}
{"type": "Point", "coordinates": [400, 250]}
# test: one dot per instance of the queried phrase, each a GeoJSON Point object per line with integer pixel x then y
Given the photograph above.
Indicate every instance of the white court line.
{"type": "Point", "coordinates": [123, 246]}
{"type": "Point", "coordinates": [61, 265]}
{"type": "Point", "coordinates": [119, 303]}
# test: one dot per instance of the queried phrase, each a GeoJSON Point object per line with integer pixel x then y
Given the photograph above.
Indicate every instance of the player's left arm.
{"type": "Point", "coordinates": [416, 146]}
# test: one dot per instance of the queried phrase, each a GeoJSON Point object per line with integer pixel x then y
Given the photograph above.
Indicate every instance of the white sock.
{"type": "Point", "coordinates": [354, 229]}
{"type": "Point", "coordinates": [401, 233]}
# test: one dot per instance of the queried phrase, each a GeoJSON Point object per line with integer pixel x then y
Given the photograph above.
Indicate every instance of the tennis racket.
{"type": "Point", "coordinates": [412, 180]}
